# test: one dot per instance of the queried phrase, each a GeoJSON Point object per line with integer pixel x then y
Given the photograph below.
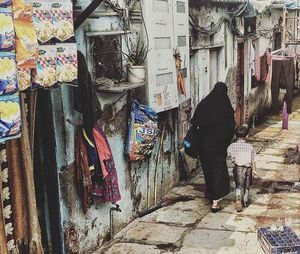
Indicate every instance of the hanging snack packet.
{"type": "Point", "coordinates": [62, 12]}
{"type": "Point", "coordinates": [22, 10]}
{"type": "Point", "coordinates": [66, 62]}
{"type": "Point", "coordinates": [24, 79]}
{"type": "Point", "coordinates": [26, 44]}
{"type": "Point", "coordinates": [10, 117]}
{"type": "Point", "coordinates": [8, 72]}
{"type": "Point", "coordinates": [7, 35]}
{"type": "Point", "coordinates": [5, 3]}
{"type": "Point", "coordinates": [42, 20]}
{"type": "Point", "coordinates": [46, 67]}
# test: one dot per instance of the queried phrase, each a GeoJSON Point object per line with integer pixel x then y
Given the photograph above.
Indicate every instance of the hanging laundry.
{"type": "Point", "coordinates": [283, 76]}
{"type": "Point", "coordinates": [285, 115]}
{"type": "Point", "coordinates": [257, 66]}
{"type": "Point", "coordinates": [85, 97]}
{"type": "Point", "coordinates": [264, 66]}
{"type": "Point", "coordinates": [99, 183]}
{"type": "Point", "coordinates": [109, 172]}
{"type": "Point", "coordinates": [83, 173]}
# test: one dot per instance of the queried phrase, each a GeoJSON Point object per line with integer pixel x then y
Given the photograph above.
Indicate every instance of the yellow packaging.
{"type": "Point", "coordinates": [24, 79]}
{"type": "Point", "coordinates": [26, 44]}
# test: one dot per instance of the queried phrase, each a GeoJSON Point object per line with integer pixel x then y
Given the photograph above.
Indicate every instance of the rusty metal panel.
{"type": "Point", "coordinates": [107, 56]}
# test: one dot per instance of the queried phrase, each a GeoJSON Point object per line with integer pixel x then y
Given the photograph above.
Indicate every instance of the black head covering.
{"type": "Point", "coordinates": [85, 96]}
{"type": "Point", "coordinates": [214, 118]}
{"type": "Point", "coordinates": [215, 108]}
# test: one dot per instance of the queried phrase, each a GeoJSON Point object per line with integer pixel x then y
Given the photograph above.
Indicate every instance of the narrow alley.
{"type": "Point", "coordinates": [185, 224]}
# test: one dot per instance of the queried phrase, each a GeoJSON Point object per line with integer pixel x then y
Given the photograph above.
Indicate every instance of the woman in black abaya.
{"type": "Point", "coordinates": [214, 123]}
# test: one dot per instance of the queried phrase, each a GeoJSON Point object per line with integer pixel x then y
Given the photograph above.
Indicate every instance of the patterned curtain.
{"type": "Point", "coordinates": [19, 226]}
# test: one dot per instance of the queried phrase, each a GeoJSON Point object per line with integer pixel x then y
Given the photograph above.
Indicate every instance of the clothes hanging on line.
{"type": "Point", "coordinates": [283, 76]}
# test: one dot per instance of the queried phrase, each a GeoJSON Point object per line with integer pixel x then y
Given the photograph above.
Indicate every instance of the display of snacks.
{"type": "Point", "coordinates": [62, 12]}
{"type": "Point", "coordinates": [43, 21]}
{"type": "Point", "coordinates": [46, 67]}
{"type": "Point", "coordinates": [22, 10]}
{"type": "Point", "coordinates": [66, 62]}
{"type": "Point", "coordinates": [8, 79]}
{"type": "Point", "coordinates": [7, 35]}
{"type": "Point", "coordinates": [5, 3]}
{"type": "Point", "coordinates": [10, 117]}
{"type": "Point", "coordinates": [24, 79]}
{"type": "Point", "coordinates": [26, 44]}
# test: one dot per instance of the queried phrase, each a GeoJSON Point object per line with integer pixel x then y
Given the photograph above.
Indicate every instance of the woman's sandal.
{"type": "Point", "coordinates": [215, 209]}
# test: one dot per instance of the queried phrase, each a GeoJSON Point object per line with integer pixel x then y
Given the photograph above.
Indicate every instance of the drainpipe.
{"type": "Point", "coordinates": [111, 216]}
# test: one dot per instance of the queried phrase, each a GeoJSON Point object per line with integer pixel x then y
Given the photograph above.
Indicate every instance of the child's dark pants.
{"type": "Point", "coordinates": [243, 180]}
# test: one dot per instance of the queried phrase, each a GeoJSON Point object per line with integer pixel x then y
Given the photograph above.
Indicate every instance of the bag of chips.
{"type": "Point", "coordinates": [7, 34]}
{"type": "Point", "coordinates": [5, 3]}
{"type": "Point", "coordinates": [142, 132]}
{"type": "Point", "coordinates": [10, 117]}
{"type": "Point", "coordinates": [22, 10]}
{"type": "Point", "coordinates": [8, 72]}
{"type": "Point", "coordinates": [26, 44]}
{"type": "Point", "coordinates": [42, 20]}
{"type": "Point", "coordinates": [66, 62]}
{"type": "Point", "coordinates": [62, 12]}
{"type": "Point", "coordinates": [24, 79]}
{"type": "Point", "coordinates": [46, 67]}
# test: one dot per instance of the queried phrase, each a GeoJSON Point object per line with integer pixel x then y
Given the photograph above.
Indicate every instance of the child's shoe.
{"type": "Point", "coordinates": [238, 205]}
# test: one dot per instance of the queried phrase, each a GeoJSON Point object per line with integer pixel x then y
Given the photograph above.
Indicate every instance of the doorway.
{"type": "Point", "coordinates": [239, 112]}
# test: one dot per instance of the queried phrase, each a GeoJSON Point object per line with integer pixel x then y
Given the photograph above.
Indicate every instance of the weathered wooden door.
{"type": "Point", "coordinates": [239, 112]}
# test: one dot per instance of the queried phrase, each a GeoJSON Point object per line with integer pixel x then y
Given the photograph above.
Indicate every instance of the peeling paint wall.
{"type": "Point", "coordinates": [257, 100]}
{"type": "Point", "coordinates": [94, 227]}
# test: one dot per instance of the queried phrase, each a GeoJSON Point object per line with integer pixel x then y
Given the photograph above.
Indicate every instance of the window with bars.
{"type": "Point", "coordinates": [106, 54]}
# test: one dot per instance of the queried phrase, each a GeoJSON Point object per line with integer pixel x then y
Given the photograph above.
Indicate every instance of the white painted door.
{"type": "Point", "coordinates": [181, 36]}
{"type": "Point", "coordinates": [162, 80]}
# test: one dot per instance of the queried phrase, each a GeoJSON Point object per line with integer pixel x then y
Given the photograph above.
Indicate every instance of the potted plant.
{"type": "Point", "coordinates": [136, 71]}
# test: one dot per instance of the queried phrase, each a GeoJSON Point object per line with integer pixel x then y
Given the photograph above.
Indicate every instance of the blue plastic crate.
{"type": "Point", "coordinates": [278, 242]}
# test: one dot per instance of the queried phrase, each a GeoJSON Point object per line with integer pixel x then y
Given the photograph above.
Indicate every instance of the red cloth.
{"type": "Point", "coordinates": [109, 190]}
{"type": "Point", "coordinates": [285, 117]}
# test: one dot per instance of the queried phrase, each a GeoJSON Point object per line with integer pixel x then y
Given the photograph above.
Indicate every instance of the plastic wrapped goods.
{"type": "Point", "coordinates": [26, 44]}
{"type": "Point", "coordinates": [7, 34]}
{"type": "Point", "coordinates": [142, 132]}
{"type": "Point", "coordinates": [62, 12]}
{"type": "Point", "coordinates": [10, 117]}
{"type": "Point", "coordinates": [43, 21]}
{"type": "Point", "coordinates": [24, 79]}
{"type": "Point", "coordinates": [5, 3]}
{"type": "Point", "coordinates": [8, 73]}
{"type": "Point", "coordinates": [66, 62]}
{"type": "Point", "coordinates": [46, 67]}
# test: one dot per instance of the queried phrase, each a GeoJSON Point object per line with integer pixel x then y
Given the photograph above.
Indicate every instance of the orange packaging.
{"type": "Point", "coordinates": [22, 10]}
{"type": "Point", "coordinates": [26, 44]}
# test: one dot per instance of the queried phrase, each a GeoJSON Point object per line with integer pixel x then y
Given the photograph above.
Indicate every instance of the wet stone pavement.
{"type": "Point", "coordinates": [185, 224]}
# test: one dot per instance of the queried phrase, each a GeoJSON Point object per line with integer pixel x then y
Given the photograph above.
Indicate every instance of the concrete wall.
{"type": "Point", "coordinates": [93, 228]}
{"type": "Point", "coordinates": [257, 100]}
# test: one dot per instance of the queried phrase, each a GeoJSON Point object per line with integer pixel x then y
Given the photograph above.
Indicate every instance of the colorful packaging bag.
{"type": "Point", "coordinates": [26, 44]}
{"type": "Point", "coordinates": [10, 117]}
{"type": "Point", "coordinates": [8, 73]}
{"type": "Point", "coordinates": [7, 34]}
{"type": "Point", "coordinates": [5, 3]}
{"type": "Point", "coordinates": [43, 21]}
{"type": "Point", "coordinates": [66, 62]}
{"type": "Point", "coordinates": [62, 12]}
{"type": "Point", "coordinates": [142, 132]}
{"type": "Point", "coordinates": [45, 75]}
{"type": "Point", "coordinates": [24, 79]}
